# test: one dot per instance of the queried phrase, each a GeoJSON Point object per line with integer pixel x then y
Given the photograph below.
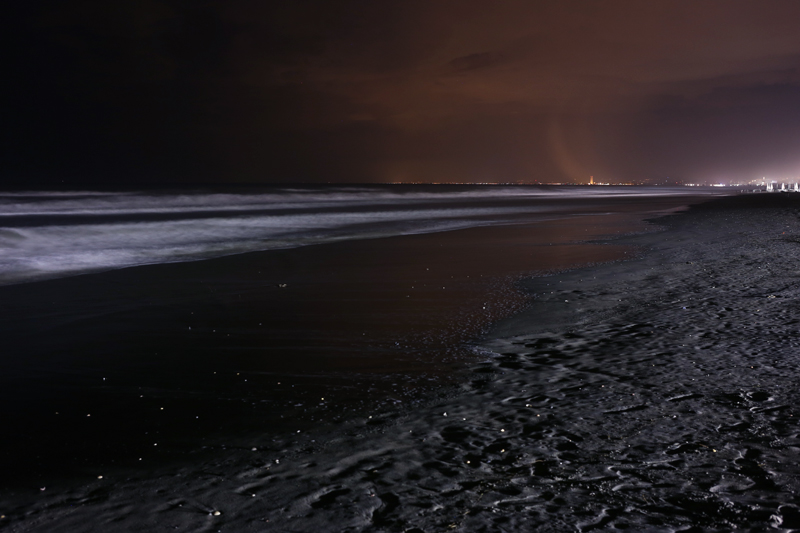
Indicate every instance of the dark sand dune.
{"type": "Point", "coordinates": [657, 394]}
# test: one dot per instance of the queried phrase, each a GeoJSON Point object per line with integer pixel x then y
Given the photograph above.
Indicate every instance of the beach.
{"type": "Point", "coordinates": [654, 390]}
{"type": "Point", "coordinates": [400, 267]}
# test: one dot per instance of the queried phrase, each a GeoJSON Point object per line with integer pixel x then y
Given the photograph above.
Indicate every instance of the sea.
{"type": "Point", "coordinates": [55, 234]}
{"type": "Point", "coordinates": [141, 327]}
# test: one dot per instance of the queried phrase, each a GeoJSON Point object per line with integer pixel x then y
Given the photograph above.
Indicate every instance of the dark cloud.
{"type": "Point", "coordinates": [140, 91]}
{"type": "Point", "coordinates": [477, 61]}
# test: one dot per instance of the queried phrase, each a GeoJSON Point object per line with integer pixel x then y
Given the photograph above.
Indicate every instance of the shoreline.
{"type": "Point", "coordinates": [143, 366]}
{"type": "Point", "coordinates": [546, 312]}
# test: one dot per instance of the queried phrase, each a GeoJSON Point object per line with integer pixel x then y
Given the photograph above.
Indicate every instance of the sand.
{"type": "Point", "coordinates": [655, 394]}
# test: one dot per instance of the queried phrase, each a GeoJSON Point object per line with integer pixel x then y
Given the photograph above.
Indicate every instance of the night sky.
{"type": "Point", "coordinates": [131, 93]}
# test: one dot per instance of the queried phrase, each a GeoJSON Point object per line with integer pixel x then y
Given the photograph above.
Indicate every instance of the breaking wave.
{"type": "Point", "coordinates": [54, 234]}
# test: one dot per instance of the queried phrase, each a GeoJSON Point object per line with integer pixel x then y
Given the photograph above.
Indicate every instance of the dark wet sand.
{"type": "Point", "coordinates": [656, 394]}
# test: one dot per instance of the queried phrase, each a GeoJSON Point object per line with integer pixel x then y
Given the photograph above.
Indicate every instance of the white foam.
{"type": "Point", "coordinates": [278, 218]}
{"type": "Point", "coordinates": [101, 203]}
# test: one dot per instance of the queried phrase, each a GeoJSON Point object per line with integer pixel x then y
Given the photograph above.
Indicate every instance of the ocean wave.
{"type": "Point", "coordinates": [53, 234]}
{"type": "Point", "coordinates": [104, 203]}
